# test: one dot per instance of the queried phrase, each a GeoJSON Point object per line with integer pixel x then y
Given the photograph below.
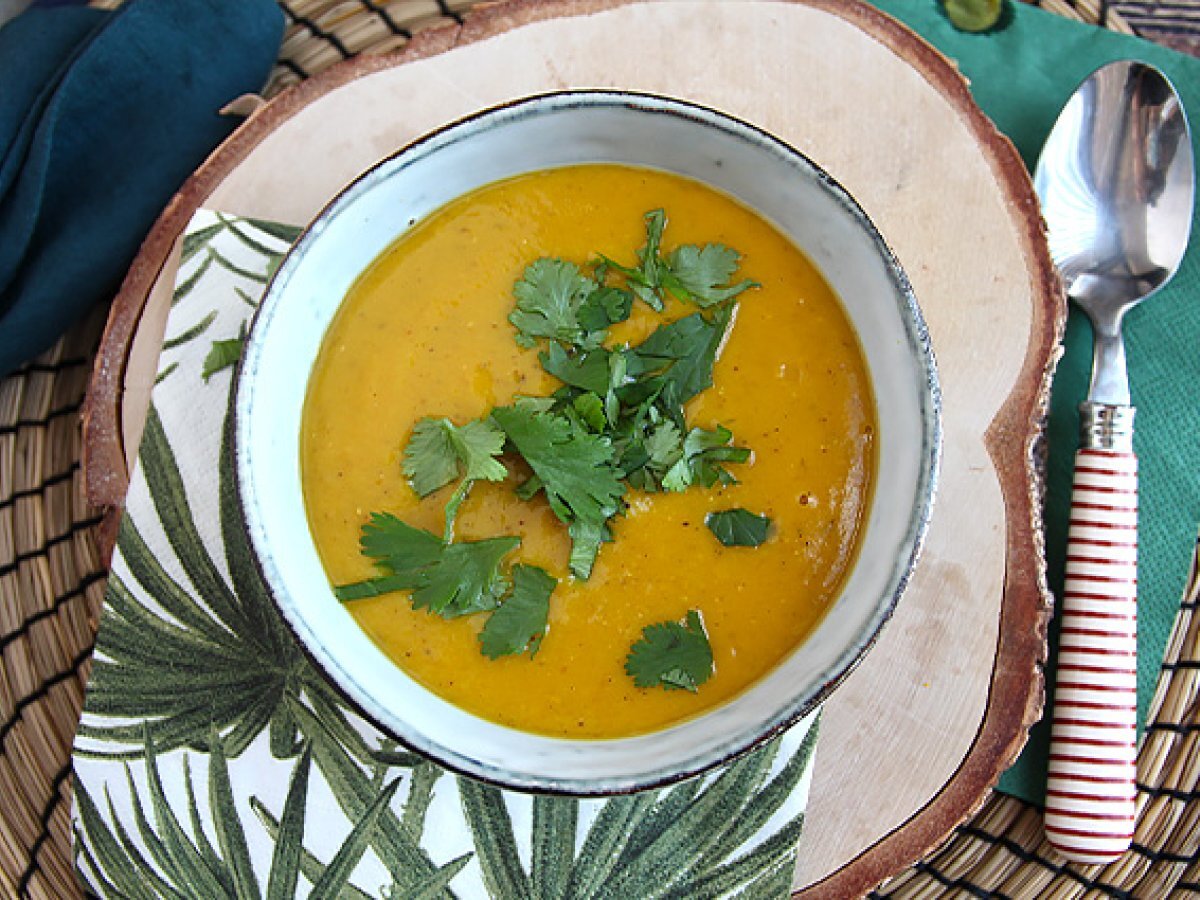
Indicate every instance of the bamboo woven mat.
{"type": "Point", "coordinates": [52, 584]}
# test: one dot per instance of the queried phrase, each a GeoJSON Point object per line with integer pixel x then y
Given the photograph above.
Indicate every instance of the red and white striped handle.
{"type": "Point", "coordinates": [1090, 794]}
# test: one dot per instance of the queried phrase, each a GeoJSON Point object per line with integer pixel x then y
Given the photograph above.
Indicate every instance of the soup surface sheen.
{"type": "Point", "coordinates": [424, 332]}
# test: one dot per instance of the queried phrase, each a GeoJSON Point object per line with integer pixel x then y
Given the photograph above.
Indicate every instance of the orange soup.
{"type": "Point", "coordinates": [425, 332]}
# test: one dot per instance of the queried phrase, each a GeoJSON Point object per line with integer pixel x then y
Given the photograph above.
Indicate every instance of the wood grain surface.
{"type": "Point", "coordinates": [913, 740]}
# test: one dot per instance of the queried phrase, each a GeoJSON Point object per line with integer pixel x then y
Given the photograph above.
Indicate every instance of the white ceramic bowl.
{"type": "Point", "coordinates": [539, 133]}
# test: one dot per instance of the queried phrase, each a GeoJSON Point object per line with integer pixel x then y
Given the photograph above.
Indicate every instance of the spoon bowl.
{"type": "Point", "coordinates": [1116, 183]}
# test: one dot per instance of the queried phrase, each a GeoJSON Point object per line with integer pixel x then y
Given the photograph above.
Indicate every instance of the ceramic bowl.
{"type": "Point", "coordinates": [539, 133]}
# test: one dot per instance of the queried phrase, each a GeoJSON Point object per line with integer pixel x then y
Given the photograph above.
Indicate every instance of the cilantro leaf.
{"type": "Point", "coordinates": [448, 579]}
{"type": "Point", "coordinates": [398, 546]}
{"type": "Point", "coordinates": [665, 446]}
{"type": "Point", "coordinates": [647, 459]}
{"type": "Point", "coordinates": [702, 274]}
{"type": "Point", "coordinates": [549, 296]}
{"type": "Point", "coordinates": [588, 370]}
{"type": "Point", "coordinates": [738, 527]}
{"type": "Point", "coordinates": [576, 468]}
{"type": "Point", "coordinates": [672, 655]}
{"type": "Point", "coordinates": [618, 372]}
{"type": "Point", "coordinates": [519, 624]}
{"type": "Point", "coordinates": [586, 538]}
{"type": "Point", "coordinates": [590, 409]}
{"type": "Point", "coordinates": [430, 460]}
{"type": "Point", "coordinates": [466, 579]}
{"type": "Point", "coordinates": [683, 351]}
{"type": "Point", "coordinates": [645, 279]}
{"type": "Point", "coordinates": [603, 307]}
{"type": "Point", "coordinates": [438, 448]}
{"type": "Point", "coordinates": [528, 488]}
{"type": "Point", "coordinates": [703, 453]}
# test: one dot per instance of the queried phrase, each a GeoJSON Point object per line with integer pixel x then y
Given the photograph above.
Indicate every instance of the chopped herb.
{"type": "Point", "coordinates": [438, 449]}
{"type": "Point", "coordinates": [738, 527]}
{"type": "Point", "coordinates": [702, 274]}
{"type": "Point", "coordinates": [549, 296]}
{"type": "Point", "coordinates": [683, 352]}
{"type": "Point", "coordinates": [450, 579]}
{"type": "Point", "coordinates": [528, 489]}
{"type": "Point", "coordinates": [604, 307]}
{"type": "Point", "coordinates": [590, 410]}
{"type": "Point", "coordinates": [588, 371]}
{"type": "Point", "coordinates": [576, 468]}
{"type": "Point", "coordinates": [672, 655]}
{"type": "Point", "coordinates": [664, 445]}
{"type": "Point", "coordinates": [586, 537]}
{"type": "Point", "coordinates": [699, 275]}
{"type": "Point", "coordinates": [466, 579]}
{"type": "Point", "coordinates": [645, 279]}
{"type": "Point", "coordinates": [618, 420]}
{"type": "Point", "coordinates": [703, 454]}
{"type": "Point", "coordinates": [519, 624]}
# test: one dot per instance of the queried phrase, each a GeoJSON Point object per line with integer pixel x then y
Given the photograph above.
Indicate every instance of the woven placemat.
{"type": "Point", "coordinates": [51, 584]}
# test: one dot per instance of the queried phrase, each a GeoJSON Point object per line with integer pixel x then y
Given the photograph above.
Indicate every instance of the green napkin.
{"type": "Point", "coordinates": [102, 117]}
{"type": "Point", "coordinates": [1021, 74]}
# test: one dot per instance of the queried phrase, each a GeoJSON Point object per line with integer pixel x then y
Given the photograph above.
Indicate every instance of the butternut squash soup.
{"type": "Point", "coordinates": [588, 451]}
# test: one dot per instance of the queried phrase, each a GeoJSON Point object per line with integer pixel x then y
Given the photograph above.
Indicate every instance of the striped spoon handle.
{"type": "Point", "coordinates": [1090, 793]}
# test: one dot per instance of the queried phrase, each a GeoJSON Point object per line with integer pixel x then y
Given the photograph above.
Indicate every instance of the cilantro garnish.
{"type": "Point", "coordinates": [644, 279]}
{"type": "Point", "coordinates": [617, 421]}
{"type": "Point", "coordinates": [701, 459]}
{"type": "Point", "coordinates": [672, 655]}
{"type": "Point", "coordinates": [738, 527]}
{"type": "Point", "coordinates": [588, 371]}
{"type": "Point", "coordinates": [701, 275]}
{"type": "Point", "coordinates": [604, 307]}
{"type": "Point", "coordinates": [450, 579]}
{"type": "Point", "coordinates": [664, 448]}
{"type": "Point", "coordinates": [683, 352]}
{"type": "Point", "coordinates": [520, 622]}
{"type": "Point", "coordinates": [438, 449]}
{"type": "Point", "coordinates": [586, 537]}
{"type": "Point", "coordinates": [549, 297]}
{"type": "Point", "coordinates": [575, 467]}
{"type": "Point", "coordinates": [590, 409]}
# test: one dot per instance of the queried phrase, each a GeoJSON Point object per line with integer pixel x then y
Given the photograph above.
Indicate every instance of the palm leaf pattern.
{"type": "Point", "coordinates": [187, 865]}
{"type": "Point", "coordinates": [694, 840]}
{"type": "Point", "coordinates": [213, 760]}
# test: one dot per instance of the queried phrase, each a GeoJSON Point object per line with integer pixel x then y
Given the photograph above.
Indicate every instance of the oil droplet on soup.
{"type": "Point", "coordinates": [425, 332]}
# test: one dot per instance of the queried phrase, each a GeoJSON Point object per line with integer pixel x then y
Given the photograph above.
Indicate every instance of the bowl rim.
{"type": "Point", "coordinates": [786, 714]}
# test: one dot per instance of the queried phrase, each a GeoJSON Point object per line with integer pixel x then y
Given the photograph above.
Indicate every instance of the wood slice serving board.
{"type": "Point", "coordinates": [911, 743]}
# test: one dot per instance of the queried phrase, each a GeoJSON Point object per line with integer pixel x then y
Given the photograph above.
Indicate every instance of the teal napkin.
{"type": "Point", "coordinates": [1021, 74]}
{"type": "Point", "coordinates": [102, 117]}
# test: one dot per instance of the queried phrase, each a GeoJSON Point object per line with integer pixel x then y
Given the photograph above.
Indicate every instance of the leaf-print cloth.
{"type": "Point", "coordinates": [213, 760]}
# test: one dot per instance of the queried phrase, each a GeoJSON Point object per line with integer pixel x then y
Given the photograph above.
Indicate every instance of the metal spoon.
{"type": "Point", "coordinates": [1116, 184]}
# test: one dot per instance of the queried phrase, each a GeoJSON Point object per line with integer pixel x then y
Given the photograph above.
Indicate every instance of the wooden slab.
{"type": "Point", "coordinates": [914, 739]}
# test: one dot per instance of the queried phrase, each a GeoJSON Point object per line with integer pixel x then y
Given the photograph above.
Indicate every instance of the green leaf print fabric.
{"type": "Point", "coordinates": [213, 760]}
